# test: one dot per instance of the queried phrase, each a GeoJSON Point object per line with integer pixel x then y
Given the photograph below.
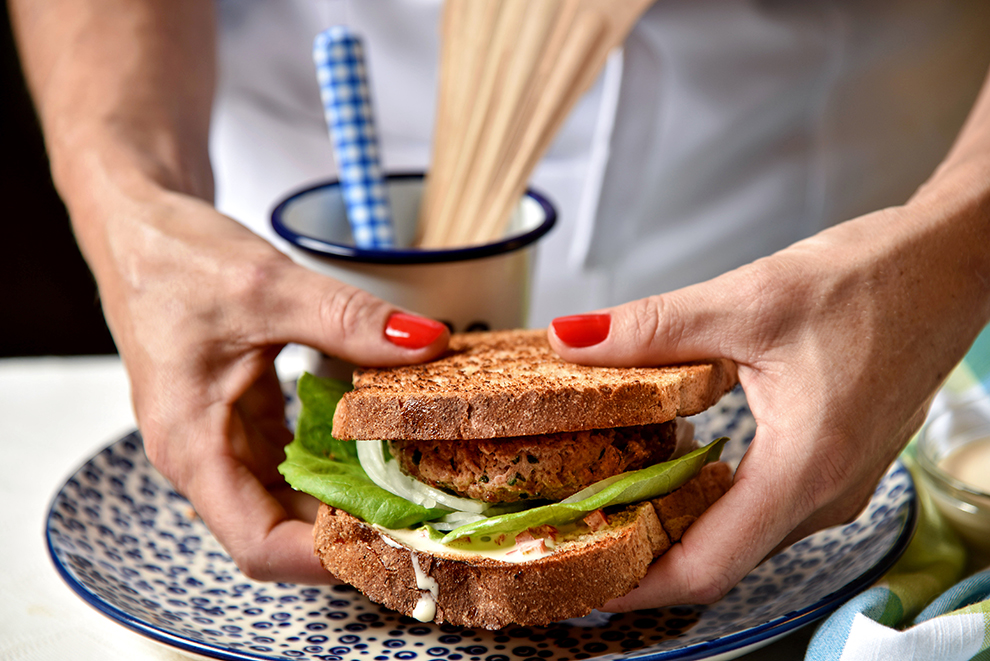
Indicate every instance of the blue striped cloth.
{"type": "Point", "coordinates": [919, 611]}
{"type": "Point", "coordinates": [342, 74]}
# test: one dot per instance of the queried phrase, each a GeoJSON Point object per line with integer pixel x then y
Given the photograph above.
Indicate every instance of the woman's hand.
{"type": "Point", "coordinates": [198, 305]}
{"type": "Point", "coordinates": [199, 308]}
{"type": "Point", "coordinates": [841, 340]}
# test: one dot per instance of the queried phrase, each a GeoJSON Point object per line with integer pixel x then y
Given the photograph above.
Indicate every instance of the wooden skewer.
{"type": "Point", "coordinates": [462, 232]}
{"type": "Point", "coordinates": [519, 64]}
{"type": "Point", "coordinates": [620, 16]}
{"type": "Point", "coordinates": [451, 29]}
{"type": "Point", "coordinates": [511, 72]}
{"type": "Point", "coordinates": [587, 29]}
{"type": "Point", "coordinates": [466, 38]}
{"type": "Point", "coordinates": [500, 25]}
{"type": "Point", "coordinates": [567, 11]}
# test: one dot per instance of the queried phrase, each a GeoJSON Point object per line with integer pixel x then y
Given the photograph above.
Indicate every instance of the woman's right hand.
{"type": "Point", "coordinates": [199, 307]}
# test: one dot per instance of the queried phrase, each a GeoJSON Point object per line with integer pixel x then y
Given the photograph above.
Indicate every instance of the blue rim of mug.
{"type": "Point", "coordinates": [350, 253]}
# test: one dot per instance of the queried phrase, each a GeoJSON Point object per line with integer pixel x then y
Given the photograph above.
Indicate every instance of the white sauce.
{"type": "Point", "coordinates": [426, 608]}
{"type": "Point", "coordinates": [391, 542]}
{"type": "Point", "coordinates": [969, 514]}
{"type": "Point", "coordinates": [423, 582]}
{"type": "Point", "coordinates": [419, 540]}
{"type": "Point", "coordinates": [970, 464]}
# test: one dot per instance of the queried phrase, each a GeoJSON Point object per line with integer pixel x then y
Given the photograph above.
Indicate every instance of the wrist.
{"type": "Point", "coordinates": [91, 163]}
{"type": "Point", "coordinates": [955, 203]}
{"type": "Point", "coordinates": [107, 174]}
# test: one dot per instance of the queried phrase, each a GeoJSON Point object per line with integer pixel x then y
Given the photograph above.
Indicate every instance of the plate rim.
{"type": "Point", "coordinates": [734, 642]}
{"type": "Point", "coordinates": [794, 620]}
{"type": "Point", "coordinates": [118, 614]}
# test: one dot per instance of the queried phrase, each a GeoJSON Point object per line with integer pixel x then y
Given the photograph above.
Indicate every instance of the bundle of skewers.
{"type": "Point", "coordinates": [511, 70]}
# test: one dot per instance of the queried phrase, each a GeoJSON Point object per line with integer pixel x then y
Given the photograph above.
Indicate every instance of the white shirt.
{"type": "Point", "coordinates": [723, 131]}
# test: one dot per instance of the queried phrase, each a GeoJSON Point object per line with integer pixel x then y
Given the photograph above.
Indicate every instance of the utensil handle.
{"type": "Point", "coordinates": [342, 74]}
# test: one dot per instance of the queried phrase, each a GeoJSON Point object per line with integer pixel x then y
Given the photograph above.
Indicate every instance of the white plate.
{"type": "Point", "coordinates": [132, 548]}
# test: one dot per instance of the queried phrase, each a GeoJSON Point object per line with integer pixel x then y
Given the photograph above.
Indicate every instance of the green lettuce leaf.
{"type": "Point", "coordinates": [327, 468]}
{"type": "Point", "coordinates": [652, 482]}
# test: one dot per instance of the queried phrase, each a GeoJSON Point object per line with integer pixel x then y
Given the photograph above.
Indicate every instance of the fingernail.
{"type": "Point", "coordinates": [582, 330]}
{"type": "Point", "coordinates": [412, 332]}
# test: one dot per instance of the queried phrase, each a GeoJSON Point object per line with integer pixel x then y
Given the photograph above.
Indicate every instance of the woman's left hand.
{"type": "Point", "coordinates": [841, 340]}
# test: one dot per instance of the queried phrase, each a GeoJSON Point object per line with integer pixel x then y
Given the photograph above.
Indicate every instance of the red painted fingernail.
{"type": "Point", "coordinates": [412, 332]}
{"type": "Point", "coordinates": [582, 330]}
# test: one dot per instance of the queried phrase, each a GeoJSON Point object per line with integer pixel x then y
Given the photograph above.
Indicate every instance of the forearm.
{"type": "Point", "coordinates": [929, 258]}
{"type": "Point", "coordinates": [123, 91]}
{"type": "Point", "coordinates": [956, 201]}
{"type": "Point", "coordinates": [966, 169]}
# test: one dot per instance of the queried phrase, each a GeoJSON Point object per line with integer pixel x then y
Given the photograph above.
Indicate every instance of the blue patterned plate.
{"type": "Point", "coordinates": [133, 549]}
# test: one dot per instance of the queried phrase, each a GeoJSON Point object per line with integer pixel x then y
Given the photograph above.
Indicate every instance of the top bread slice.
{"type": "Point", "coordinates": [510, 383]}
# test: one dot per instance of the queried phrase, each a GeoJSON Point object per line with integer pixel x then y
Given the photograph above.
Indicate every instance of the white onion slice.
{"type": "Point", "coordinates": [684, 435]}
{"type": "Point", "coordinates": [388, 476]}
{"type": "Point", "coordinates": [448, 522]}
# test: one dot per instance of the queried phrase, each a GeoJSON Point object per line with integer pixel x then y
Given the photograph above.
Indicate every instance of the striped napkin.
{"type": "Point", "coordinates": [919, 611]}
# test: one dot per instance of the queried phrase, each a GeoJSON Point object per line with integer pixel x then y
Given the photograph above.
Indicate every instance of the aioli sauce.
{"type": "Point", "coordinates": [969, 513]}
{"type": "Point", "coordinates": [426, 607]}
{"type": "Point", "coordinates": [970, 464]}
{"type": "Point", "coordinates": [419, 540]}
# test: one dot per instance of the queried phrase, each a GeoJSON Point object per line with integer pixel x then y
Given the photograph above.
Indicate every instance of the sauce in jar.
{"type": "Point", "coordinates": [970, 464]}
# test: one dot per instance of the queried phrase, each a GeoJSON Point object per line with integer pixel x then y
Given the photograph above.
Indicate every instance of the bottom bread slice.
{"type": "Point", "coordinates": [578, 576]}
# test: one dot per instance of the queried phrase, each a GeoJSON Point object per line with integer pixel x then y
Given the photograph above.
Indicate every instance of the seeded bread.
{"type": "Point", "coordinates": [576, 578]}
{"type": "Point", "coordinates": [510, 383]}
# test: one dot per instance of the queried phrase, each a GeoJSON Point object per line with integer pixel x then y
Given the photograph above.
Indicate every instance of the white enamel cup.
{"type": "Point", "coordinates": [481, 287]}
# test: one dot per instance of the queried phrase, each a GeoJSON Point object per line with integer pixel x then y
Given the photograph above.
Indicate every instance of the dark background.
{"type": "Point", "coordinates": [48, 301]}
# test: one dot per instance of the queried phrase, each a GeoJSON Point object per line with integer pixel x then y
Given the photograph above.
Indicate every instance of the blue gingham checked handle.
{"type": "Point", "coordinates": [341, 72]}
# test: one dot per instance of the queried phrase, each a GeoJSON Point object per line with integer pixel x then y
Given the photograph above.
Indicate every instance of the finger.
{"type": "Point", "coordinates": [260, 411]}
{"type": "Point", "coordinates": [264, 399]}
{"type": "Point", "coordinates": [223, 461]}
{"type": "Point", "coordinates": [299, 504]}
{"type": "Point", "coordinates": [258, 532]}
{"type": "Point", "coordinates": [840, 513]}
{"type": "Point", "coordinates": [688, 324]}
{"type": "Point", "coordinates": [262, 447]}
{"type": "Point", "coordinates": [721, 547]}
{"type": "Point", "coordinates": [348, 323]}
{"type": "Point", "coordinates": [852, 502]}
{"type": "Point", "coordinates": [735, 534]}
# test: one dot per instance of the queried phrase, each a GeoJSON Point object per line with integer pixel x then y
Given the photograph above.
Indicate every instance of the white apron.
{"type": "Point", "coordinates": [723, 130]}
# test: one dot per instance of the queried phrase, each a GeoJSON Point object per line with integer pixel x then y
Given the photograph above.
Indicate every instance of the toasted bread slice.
{"type": "Point", "coordinates": [579, 576]}
{"type": "Point", "coordinates": [510, 383]}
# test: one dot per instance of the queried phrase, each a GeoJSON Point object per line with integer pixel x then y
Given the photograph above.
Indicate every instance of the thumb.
{"type": "Point", "coordinates": [347, 322]}
{"type": "Point", "coordinates": [693, 323]}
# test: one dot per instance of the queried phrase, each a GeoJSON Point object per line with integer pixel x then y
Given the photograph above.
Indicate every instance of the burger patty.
{"type": "Point", "coordinates": [546, 466]}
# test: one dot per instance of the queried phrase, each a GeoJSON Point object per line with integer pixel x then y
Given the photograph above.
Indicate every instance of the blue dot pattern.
{"type": "Point", "coordinates": [133, 548]}
{"type": "Point", "coordinates": [342, 75]}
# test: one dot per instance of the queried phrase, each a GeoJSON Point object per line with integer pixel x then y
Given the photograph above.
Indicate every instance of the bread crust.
{"type": "Point", "coordinates": [510, 383]}
{"type": "Point", "coordinates": [578, 577]}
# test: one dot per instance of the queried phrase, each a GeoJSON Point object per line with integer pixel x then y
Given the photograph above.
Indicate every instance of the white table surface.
{"type": "Point", "coordinates": [55, 413]}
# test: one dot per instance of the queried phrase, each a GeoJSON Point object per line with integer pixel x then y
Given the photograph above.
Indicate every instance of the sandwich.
{"type": "Point", "coordinates": [501, 485]}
